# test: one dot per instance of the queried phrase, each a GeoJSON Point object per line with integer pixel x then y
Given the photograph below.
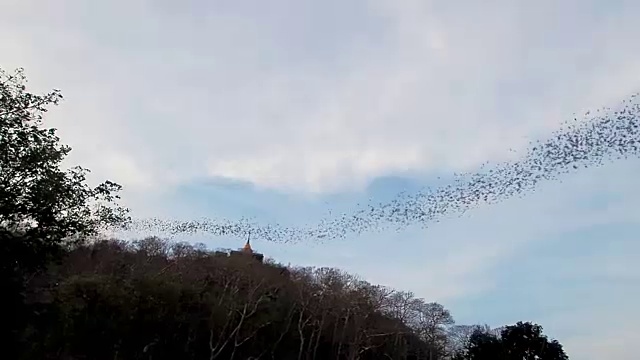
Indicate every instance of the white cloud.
{"type": "Point", "coordinates": [315, 96]}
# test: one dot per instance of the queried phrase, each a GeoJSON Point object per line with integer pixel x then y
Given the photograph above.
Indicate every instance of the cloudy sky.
{"type": "Point", "coordinates": [283, 109]}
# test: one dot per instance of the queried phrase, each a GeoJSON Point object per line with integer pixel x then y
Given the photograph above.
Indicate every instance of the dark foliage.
{"type": "Point", "coordinates": [37, 196]}
{"type": "Point", "coordinates": [43, 207]}
{"type": "Point", "coordinates": [152, 299]}
{"type": "Point", "coordinates": [522, 341]}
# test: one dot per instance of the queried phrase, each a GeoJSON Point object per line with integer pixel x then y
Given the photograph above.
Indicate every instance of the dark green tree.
{"type": "Point", "coordinates": [38, 197]}
{"type": "Point", "coordinates": [522, 341]}
{"type": "Point", "coordinates": [481, 345]}
{"type": "Point", "coordinates": [526, 341]}
{"type": "Point", "coordinates": [42, 205]}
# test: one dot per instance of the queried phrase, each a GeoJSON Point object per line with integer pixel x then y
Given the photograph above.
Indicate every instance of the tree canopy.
{"type": "Point", "coordinates": [522, 341]}
{"type": "Point", "coordinates": [43, 207]}
{"type": "Point", "coordinates": [154, 299]}
{"type": "Point", "coordinates": [37, 196]}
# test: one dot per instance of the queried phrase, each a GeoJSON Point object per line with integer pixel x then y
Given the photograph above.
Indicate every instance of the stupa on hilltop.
{"type": "Point", "coordinates": [246, 250]}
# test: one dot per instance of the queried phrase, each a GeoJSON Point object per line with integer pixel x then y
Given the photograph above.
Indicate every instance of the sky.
{"type": "Point", "coordinates": [286, 110]}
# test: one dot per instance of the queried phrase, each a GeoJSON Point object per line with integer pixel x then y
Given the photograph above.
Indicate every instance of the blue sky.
{"type": "Point", "coordinates": [282, 111]}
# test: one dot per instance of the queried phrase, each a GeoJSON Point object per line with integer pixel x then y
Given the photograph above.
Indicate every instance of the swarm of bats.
{"type": "Point", "coordinates": [607, 136]}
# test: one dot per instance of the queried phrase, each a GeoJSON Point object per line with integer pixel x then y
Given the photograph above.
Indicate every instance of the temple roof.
{"type": "Point", "coordinates": [247, 246]}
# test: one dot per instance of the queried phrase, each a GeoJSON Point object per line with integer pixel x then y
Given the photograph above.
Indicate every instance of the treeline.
{"type": "Point", "coordinates": [68, 296]}
{"type": "Point", "coordinates": [156, 300]}
{"type": "Point", "coordinates": [153, 299]}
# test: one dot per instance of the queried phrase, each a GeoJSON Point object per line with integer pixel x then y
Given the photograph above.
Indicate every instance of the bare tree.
{"type": "Point", "coordinates": [430, 322]}
{"type": "Point", "coordinates": [459, 336]}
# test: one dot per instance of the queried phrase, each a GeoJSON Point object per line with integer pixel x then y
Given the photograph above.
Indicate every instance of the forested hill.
{"type": "Point", "coordinates": [153, 299]}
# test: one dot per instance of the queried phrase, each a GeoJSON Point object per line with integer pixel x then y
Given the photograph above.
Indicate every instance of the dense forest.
{"type": "Point", "coordinates": [72, 294]}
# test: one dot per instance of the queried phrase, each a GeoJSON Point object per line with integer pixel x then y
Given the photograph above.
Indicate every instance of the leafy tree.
{"type": "Point", "coordinates": [482, 345]}
{"type": "Point", "coordinates": [526, 341]}
{"type": "Point", "coordinates": [42, 206]}
{"type": "Point", "coordinates": [37, 196]}
{"type": "Point", "coordinates": [522, 341]}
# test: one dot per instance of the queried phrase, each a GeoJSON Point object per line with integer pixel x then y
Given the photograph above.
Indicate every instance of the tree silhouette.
{"type": "Point", "coordinates": [42, 206]}
{"type": "Point", "coordinates": [522, 341]}
{"type": "Point", "coordinates": [37, 196]}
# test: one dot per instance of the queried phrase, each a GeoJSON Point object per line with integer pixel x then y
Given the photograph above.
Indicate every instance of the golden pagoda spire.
{"type": "Point", "coordinates": [247, 245]}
